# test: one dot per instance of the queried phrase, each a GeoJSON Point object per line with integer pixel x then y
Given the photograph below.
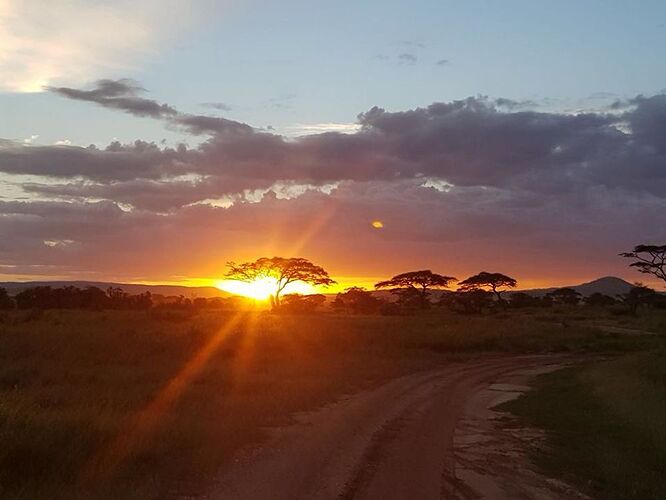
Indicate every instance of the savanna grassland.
{"type": "Point", "coordinates": [150, 404]}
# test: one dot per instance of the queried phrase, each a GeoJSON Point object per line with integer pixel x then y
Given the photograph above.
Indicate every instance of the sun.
{"type": "Point", "coordinates": [261, 288]}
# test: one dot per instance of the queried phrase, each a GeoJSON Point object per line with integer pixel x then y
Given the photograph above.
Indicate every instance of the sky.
{"type": "Point", "coordinates": [153, 141]}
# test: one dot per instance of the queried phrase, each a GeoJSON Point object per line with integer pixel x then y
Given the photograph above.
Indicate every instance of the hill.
{"type": "Point", "coordinates": [608, 285]}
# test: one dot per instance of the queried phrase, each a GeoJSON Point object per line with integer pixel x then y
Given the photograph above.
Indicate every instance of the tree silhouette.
{"type": "Point", "coordinates": [295, 303]}
{"type": "Point", "coordinates": [470, 301]}
{"type": "Point", "coordinates": [488, 281]}
{"type": "Point", "coordinates": [521, 299]}
{"type": "Point", "coordinates": [6, 302]}
{"type": "Point", "coordinates": [283, 270]}
{"type": "Point", "coordinates": [598, 299]}
{"type": "Point", "coordinates": [650, 259]}
{"type": "Point", "coordinates": [356, 300]}
{"type": "Point", "coordinates": [70, 297]}
{"type": "Point", "coordinates": [417, 281]}
{"type": "Point", "coordinates": [567, 296]}
{"type": "Point", "coordinates": [639, 295]}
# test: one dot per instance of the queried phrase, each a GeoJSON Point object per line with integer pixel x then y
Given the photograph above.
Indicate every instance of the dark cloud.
{"type": "Point", "coordinates": [123, 95]}
{"type": "Point", "coordinates": [116, 161]}
{"type": "Point", "coordinates": [118, 94]}
{"type": "Point", "coordinates": [442, 62]}
{"type": "Point", "coordinates": [513, 105]}
{"type": "Point", "coordinates": [476, 141]}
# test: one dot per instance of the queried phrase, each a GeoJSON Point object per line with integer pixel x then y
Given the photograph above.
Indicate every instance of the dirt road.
{"type": "Point", "coordinates": [425, 436]}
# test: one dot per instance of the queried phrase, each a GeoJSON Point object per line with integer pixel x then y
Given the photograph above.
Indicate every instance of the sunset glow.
{"type": "Point", "coordinates": [262, 289]}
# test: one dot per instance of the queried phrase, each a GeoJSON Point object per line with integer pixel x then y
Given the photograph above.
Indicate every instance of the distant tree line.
{"type": "Point", "coordinates": [412, 291]}
{"type": "Point", "coordinates": [94, 298]}
{"type": "Point", "coordinates": [71, 297]}
{"type": "Point", "coordinates": [483, 292]}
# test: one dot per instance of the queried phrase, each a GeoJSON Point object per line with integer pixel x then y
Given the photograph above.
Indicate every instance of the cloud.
{"type": "Point", "coordinates": [407, 58]}
{"type": "Point", "coordinates": [442, 62]}
{"type": "Point", "coordinates": [72, 41]}
{"type": "Point", "coordinates": [318, 128]}
{"type": "Point", "coordinates": [463, 230]}
{"type": "Point", "coordinates": [471, 142]}
{"type": "Point", "coordinates": [123, 95]}
{"type": "Point", "coordinates": [479, 181]}
{"type": "Point", "coordinates": [118, 94]}
{"type": "Point", "coordinates": [221, 106]}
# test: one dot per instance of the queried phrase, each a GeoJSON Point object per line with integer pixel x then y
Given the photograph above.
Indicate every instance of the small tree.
{"type": "Point", "coordinates": [520, 300]}
{"type": "Point", "coordinates": [283, 270]}
{"type": "Point", "coordinates": [471, 301]}
{"type": "Point", "coordinates": [492, 282]}
{"type": "Point", "coordinates": [356, 300]}
{"type": "Point", "coordinates": [650, 259]}
{"type": "Point", "coordinates": [302, 304]}
{"type": "Point", "coordinates": [567, 296]}
{"type": "Point", "coordinates": [6, 302]}
{"type": "Point", "coordinates": [599, 300]}
{"type": "Point", "coordinates": [420, 282]}
{"type": "Point", "coordinates": [639, 295]}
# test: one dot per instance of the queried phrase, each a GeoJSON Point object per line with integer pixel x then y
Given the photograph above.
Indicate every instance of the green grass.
{"type": "Point", "coordinates": [605, 424]}
{"type": "Point", "coordinates": [84, 412]}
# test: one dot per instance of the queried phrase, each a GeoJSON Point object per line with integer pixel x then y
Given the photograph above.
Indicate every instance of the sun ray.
{"type": "Point", "coordinates": [318, 221]}
{"type": "Point", "coordinates": [262, 288]}
{"type": "Point", "coordinates": [145, 421]}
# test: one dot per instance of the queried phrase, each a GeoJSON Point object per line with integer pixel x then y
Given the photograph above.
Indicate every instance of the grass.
{"type": "Point", "coordinates": [605, 425]}
{"type": "Point", "coordinates": [149, 405]}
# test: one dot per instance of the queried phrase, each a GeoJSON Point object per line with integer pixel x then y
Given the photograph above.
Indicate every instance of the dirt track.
{"type": "Point", "coordinates": [425, 436]}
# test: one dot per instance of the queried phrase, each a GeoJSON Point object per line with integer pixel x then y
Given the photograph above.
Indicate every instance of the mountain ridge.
{"type": "Point", "coordinates": [607, 285]}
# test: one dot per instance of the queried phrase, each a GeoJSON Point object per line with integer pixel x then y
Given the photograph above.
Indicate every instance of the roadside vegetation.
{"type": "Point", "coordinates": [605, 425]}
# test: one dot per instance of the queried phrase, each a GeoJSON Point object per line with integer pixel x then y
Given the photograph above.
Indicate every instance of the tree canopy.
{"type": "Point", "coordinates": [649, 259]}
{"type": "Point", "coordinates": [639, 295]}
{"type": "Point", "coordinates": [565, 295]}
{"type": "Point", "coordinates": [283, 270]}
{"type": "Point", "coordinates": [356, 300]}
{"type": "Point", "coordinates": [488, 281]}
{"type": "Point", "coordinates": [420, 281]}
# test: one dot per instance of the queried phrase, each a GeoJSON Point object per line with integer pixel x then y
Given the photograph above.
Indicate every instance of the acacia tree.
{"type": "Point", "coordinates": [650, 259]}
{"type": "Point", "coordinates": [283, 270]}
{"type": "Point", "coordinates": [488, 281]}
{"type": "Point", "coordinates": [417, 281]}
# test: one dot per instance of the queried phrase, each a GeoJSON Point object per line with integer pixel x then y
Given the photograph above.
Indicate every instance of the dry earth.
{"type": "Point", "coordinates": [430, 435]}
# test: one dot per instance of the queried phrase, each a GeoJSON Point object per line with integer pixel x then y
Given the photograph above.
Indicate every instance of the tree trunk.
{"type": "Point", "coordinates": [424, 298]}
